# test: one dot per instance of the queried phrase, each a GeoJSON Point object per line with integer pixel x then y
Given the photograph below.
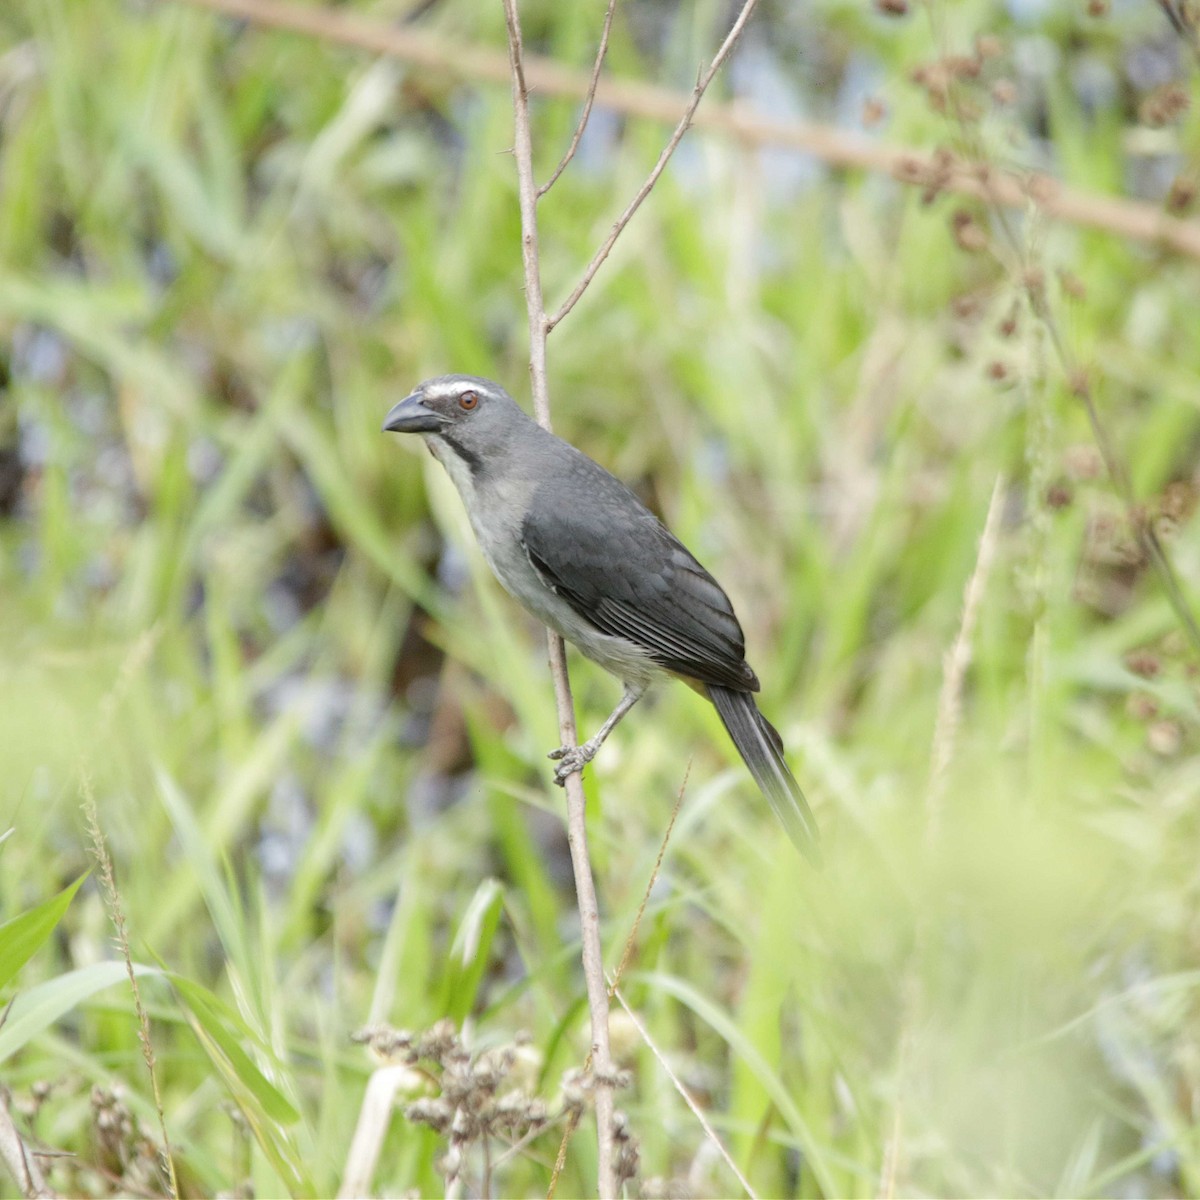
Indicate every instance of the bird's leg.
{"type": "Point", "coordinates": [572, 759]}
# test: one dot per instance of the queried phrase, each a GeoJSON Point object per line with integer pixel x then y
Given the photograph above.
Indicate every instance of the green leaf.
{"type": "Point", "coordinates": [220, 1031]}
{"type": "Point", "coordinates": [38, 1008]}
{"type": "Point", "coordinates": [23, 936]}
{"type": "Point", "coordinates": [471, 949]}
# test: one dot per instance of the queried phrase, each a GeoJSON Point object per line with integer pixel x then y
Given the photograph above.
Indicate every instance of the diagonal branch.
{"type": "Point", "coordinates": [585, 887]}
{"type": "Point", "coordinates": [577, 137]}
{"type": "Point", "coordinates": [1184, 22]}
{"type": "Point", "coordinates": [21, 1161]}
{"type": "Point", "coordinates": [1134, 219]}
{"type": "Point", "coordinates": [696, 1110]}
{"type": "Point", "coordinates": [684, 122]}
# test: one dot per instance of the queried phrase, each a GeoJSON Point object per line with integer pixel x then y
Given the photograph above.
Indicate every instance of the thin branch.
{"type": "Point", "coordinates": [531, 1134]}
{"type": "Point", "coordinates": [1132, 219]}
{"type": "Point", "coordinates": [21, 1162]}
{"type": "Point", "coordinates": [1183, 22]}
{"type": "Point", "coordinates": [710, 1132]}
{"type": "Point", "coordinates": [626, 955]}
{"type": "Point", "coordinates": [527, 193]}
{"type": "Point", "coordinates": [684, 122]}
{"type": "Point", "coordinates": [585, 887]}
{"type": "Point", "coordinates": [631, 940]}
{"type": "Point", "coordinates": [577, 137]}
{"type": "Point", "coordinates": [539, 328]}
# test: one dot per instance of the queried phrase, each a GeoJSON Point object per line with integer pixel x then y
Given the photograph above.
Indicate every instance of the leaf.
{"type": "Point", "coordinates": [23, 936]}
{"type": "Point", "coordinates": [220, 1031]}
{"type": "Point", "coordinates": [38, 1008]}
{"type": "Point", "coordinates": [224, 1029]}
{"type": "Point", "coordinates": [471, 949]}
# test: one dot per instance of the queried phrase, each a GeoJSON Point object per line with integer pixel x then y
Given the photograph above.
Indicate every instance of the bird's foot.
{"type": "Point", "coordinates": [571, 759]}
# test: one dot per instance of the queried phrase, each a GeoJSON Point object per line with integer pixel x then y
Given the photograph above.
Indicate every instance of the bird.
{"type": "Point", "coordinates": [573, 545]}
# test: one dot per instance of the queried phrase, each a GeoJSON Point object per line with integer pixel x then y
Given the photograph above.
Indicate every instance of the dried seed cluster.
{"type": "Point", "coordinates": [961, 85]}
{"type": "Point", "coordinates": [476, 1096]}
{"type": "Point", "coordinates": [125, 1153]}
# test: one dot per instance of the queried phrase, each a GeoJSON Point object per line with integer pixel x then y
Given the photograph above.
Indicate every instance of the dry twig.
{"type": "Point", "coordinates": [631, 940]}
{"type": "Point", "coordinates": [680, 129]}
{"type": "Point", "coordinates": [374, 1117]}
{"type": "Point", "coordinates": [1131, 219]}
{"type": "Point", "coordinates": [577, 137]}
{"type": "Point", "coordinates": [677, 1083]}
{"type": "Point", "coordinates": [1185, 21]}
{"type": "Point", "coordinates": [585, 887]}
{"type": "Point", "coordinates": [21, 1162]}
{"type": "Point", "coordinates": [540, 324]}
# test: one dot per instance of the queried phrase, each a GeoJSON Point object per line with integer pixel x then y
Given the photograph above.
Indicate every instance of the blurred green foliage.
{"type": "Point", "coordinates": [315, 728]}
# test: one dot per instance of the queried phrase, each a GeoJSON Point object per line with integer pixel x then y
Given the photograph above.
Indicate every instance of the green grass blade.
{"type": "Point", "coordinates": [35, 1010]}
{"type": "Point", "coordinates": [21, 938]}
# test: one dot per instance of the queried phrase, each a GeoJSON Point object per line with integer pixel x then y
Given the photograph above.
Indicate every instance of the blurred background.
{"type": "Point", "coordinates": [255, 638]}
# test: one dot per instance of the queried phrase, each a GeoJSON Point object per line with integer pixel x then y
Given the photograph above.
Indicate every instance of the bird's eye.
{"type": "Point", "coordinates": [468, 400]}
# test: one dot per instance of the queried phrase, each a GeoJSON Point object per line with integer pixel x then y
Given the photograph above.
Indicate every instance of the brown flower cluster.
{"type": "Point", "coordinates": [476, 1096]}
{"type": "Point", "coordinates": [950, 82]}
{"type": "Point", "coordinates": [1165, 105]}
{"type": "Point", "coordinates": [125, 1154]}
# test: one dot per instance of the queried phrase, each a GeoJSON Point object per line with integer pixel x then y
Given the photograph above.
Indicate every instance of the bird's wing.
{"type": "Point", "coordinates": [621, 570]}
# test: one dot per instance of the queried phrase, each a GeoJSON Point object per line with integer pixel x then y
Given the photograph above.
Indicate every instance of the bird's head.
{"type": "Point", "coordinates": [452, 405]}
{"type": "Point", "coordinates": [466, 421]}
{"type": "Point", "coordinates": [463, 414]}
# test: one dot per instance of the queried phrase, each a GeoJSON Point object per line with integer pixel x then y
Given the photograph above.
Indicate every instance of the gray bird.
{"type": "Point", "coordinates": [582, 553]}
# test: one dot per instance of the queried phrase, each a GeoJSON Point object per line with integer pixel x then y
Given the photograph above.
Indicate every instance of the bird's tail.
{"type": "Point", "coordinates": [762, 748]}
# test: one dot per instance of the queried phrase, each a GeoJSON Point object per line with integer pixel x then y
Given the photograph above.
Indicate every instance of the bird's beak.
{"type": "Point", "coordinates": [411, 415]}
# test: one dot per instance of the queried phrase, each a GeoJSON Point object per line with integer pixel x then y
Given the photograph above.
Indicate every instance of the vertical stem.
{"type": "Point", "coordinates": [585, 888]}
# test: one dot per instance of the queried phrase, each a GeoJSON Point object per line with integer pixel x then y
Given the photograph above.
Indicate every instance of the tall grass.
{"type": "Point", "coordinates": [225, 251]}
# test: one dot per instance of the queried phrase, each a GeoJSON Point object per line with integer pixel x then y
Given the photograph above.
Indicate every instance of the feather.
{"type": "Point", "coordinates": [622, 571]}
{"type": "Point", "coordinates": [762, 749]}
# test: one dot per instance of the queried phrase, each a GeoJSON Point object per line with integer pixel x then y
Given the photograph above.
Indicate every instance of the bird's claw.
{"type": "Point", "coordinates": [570, 759]}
